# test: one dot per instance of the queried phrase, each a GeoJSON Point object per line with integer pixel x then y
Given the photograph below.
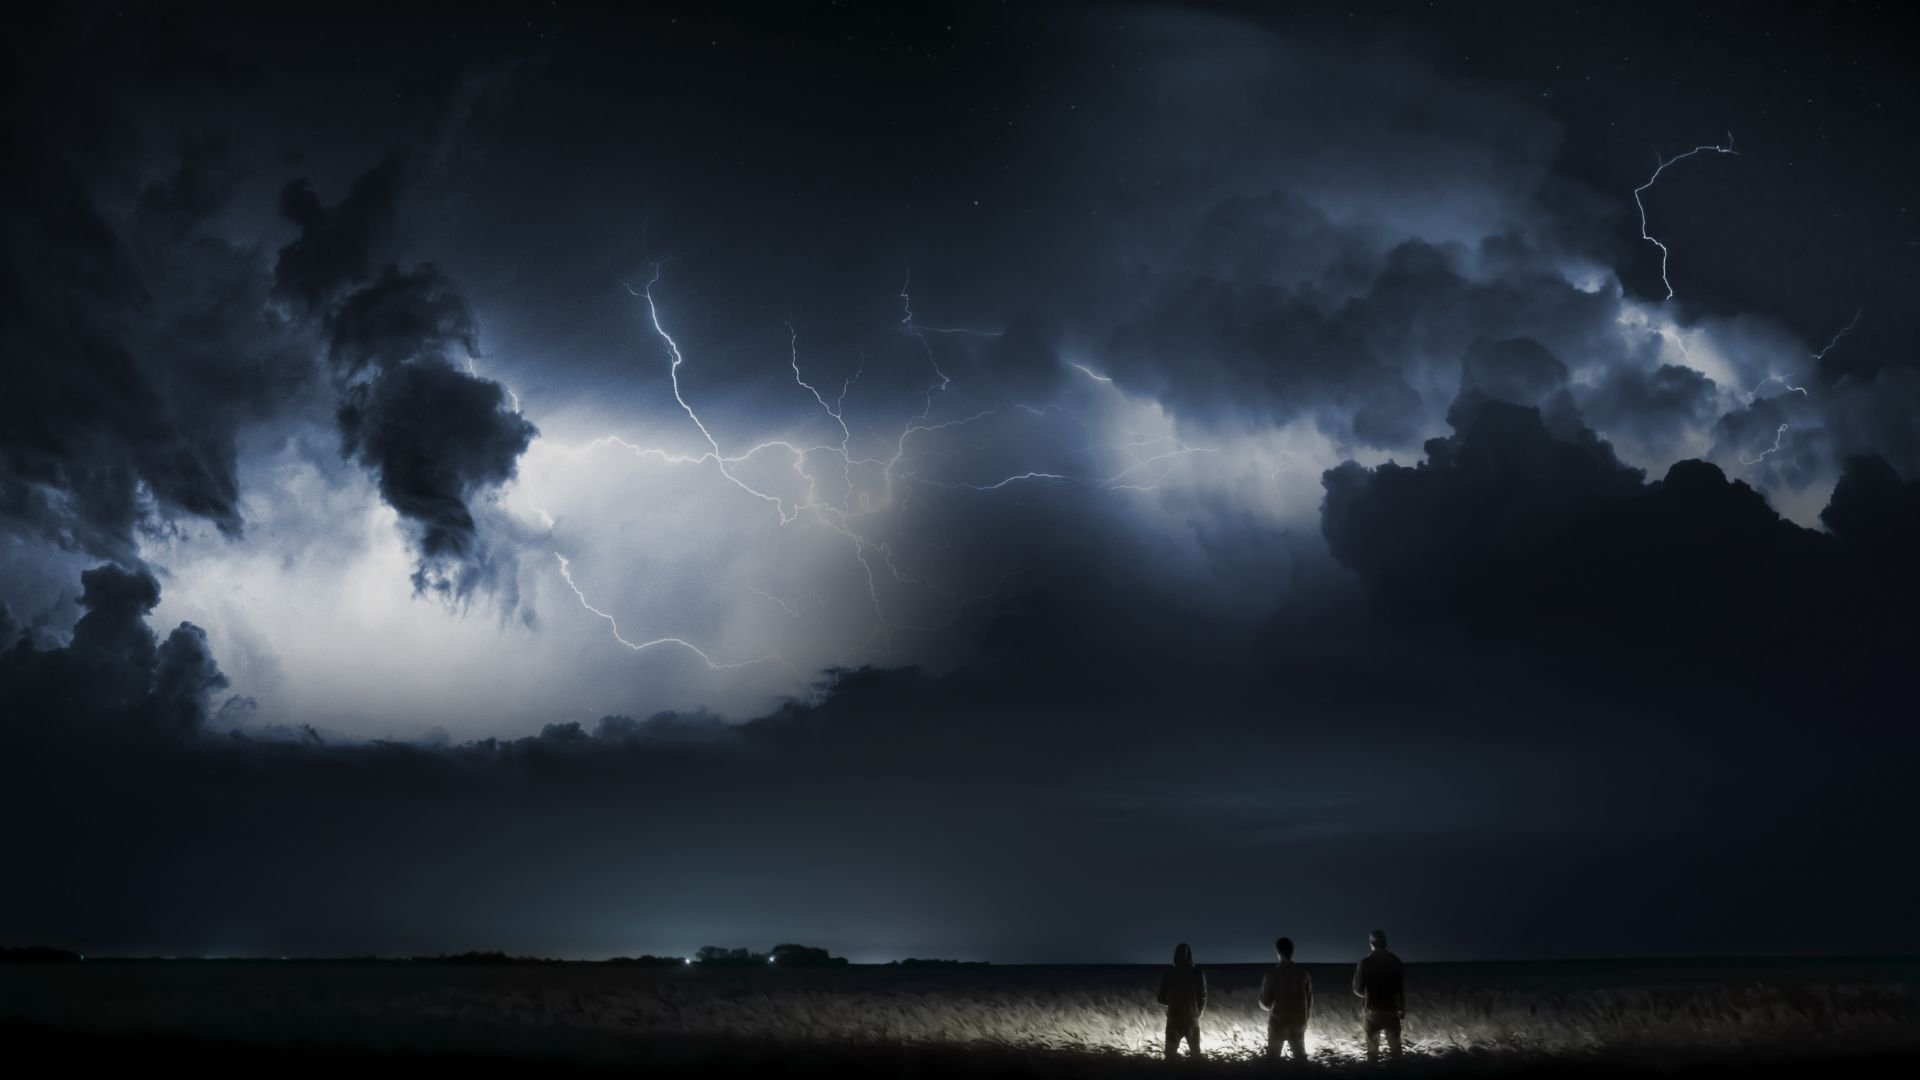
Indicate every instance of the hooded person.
{"type": "Point", "coordinates": [1183, 990]}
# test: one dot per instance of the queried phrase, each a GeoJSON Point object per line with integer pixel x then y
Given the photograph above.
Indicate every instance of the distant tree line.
{"type": "Point", "coordinates": [646, 960]}
{"type": "Point", "coordinates": [786, 955]}
{"type": "Point", "coordinates": [38, 954]}
{"type": "Point", "coordinates": [472, 957]}
{"type": "Point", "coordinates": [917, 962]}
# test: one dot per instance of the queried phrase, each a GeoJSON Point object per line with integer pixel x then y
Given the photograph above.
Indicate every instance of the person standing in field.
{"type": "Point", "coordinates": [1183, 990]}
{"type": "Point", "coordinates": [1287, 994]}
{"type": "Point", "coordinates": [1381, 980]}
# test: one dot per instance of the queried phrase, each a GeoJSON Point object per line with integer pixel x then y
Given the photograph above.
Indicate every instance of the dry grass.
{"type": "Point", "coordinates": [1100, 1010]}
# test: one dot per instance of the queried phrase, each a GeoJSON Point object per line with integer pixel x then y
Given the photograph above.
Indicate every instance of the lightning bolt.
{"type": "Point", "coordinates": [868, 485]}
{"type": "Point", "coordinates": [1842, 332]}
{"type": "Point", "coordinates": [875, 556]}
{"type": "Point", "coordinates": [1782, 380]}
{"type": "Point", "coordinates": [566, 571]}
{"type": "Point", "coordinates": [1643, 188]}
{"type": "Point", "coordinates": [1762, 456]}
{"type": "Point", "coordinates": [784, 606]}
{"type": "Point", "coordinates": [1792, 389]}
{"type": "Point", "coordinates": [906, 320]}
{"type": "Point", "coordinates": [673, 374]}
{"type": "Point", "coordinates": [1817, 358]}
{"type": "Point", "coordinates": [566, 566]}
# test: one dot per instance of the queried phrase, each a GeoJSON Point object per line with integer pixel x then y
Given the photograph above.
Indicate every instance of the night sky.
{"type": "Point", "coordinates": [1009, 482]}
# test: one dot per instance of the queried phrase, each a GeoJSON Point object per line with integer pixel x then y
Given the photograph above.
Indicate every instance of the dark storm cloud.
{"type": "Point", "coordinates": [338, 246]}
{"type": "Point", "coordinates": [1854, 414]}
{"type": "Point", "coordinates": [1277, 232]}
{"type": "Point", "coordinates": [1363, 350]}
{"type": "Point", "coordinates": [1214, 345]}
{"type": "Point", "coordinates": [1649, 407]}
{"type": "Point", "coordinates": [138, 347]}
{"type": "Point", "coordinates": [1875, 521]}
{"type": "Point", "coordinates": [1517, 370]}
{"type": "Point", "coordinates": [1514, 534]}
{"type": "Point", "coordinates": [1264, 266]}
{"type": "Point", "coordinates": [143, 341]}
{"type": "Point", "coordinates": [437, 438]}
{"type": "Point", "coordinates": [203, 183]}
{"type": "Point", "coordinates": [401, 317]}
{"type": "Point", "coordinates": [113, 680]}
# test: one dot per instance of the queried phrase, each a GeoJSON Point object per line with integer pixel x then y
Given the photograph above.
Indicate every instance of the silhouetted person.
{"type": "Point", "coordinates": [1287, 995]}
{"type": "Point", "coordinates": [1381, 980]}
{"type": "Point", "coordinates": [1183, 990]}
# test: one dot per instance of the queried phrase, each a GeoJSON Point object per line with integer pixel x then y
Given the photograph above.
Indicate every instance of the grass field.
{"type": "Point", "coordinates": [587, 1014]}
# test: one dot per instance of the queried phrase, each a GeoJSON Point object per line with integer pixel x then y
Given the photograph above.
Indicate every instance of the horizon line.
{"type": "Point", "coordinates": [688, 961]}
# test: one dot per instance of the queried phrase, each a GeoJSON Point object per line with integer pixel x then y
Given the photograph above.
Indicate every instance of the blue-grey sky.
{"type": "Point", "coordinates": [898, 478]}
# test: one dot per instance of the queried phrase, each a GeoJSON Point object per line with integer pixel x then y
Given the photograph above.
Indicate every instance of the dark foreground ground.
{"type": "Point", "coordinates": [81, 1053]}
{"type": "Point", "coordinates": [220, 1018]}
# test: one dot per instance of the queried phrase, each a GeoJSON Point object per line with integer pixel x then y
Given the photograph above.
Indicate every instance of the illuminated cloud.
{"type": "Point", "coordinates": [1188, 437]}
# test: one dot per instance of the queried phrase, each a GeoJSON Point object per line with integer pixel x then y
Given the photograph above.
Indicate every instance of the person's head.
{"type": "Point", "coordinates": [1183, 955]}
{"type": "Point", "coordinates": [1377, 939]}
{"type": "Point", "coordinates": [1284, 948]}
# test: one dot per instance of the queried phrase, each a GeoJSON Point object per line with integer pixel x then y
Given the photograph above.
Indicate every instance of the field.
{"type": "Point", "coordinates": [1047, 1019]}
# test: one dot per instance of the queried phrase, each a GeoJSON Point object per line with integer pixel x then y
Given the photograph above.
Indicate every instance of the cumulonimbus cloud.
{"type": "Point", "coordinates": [436, 436]}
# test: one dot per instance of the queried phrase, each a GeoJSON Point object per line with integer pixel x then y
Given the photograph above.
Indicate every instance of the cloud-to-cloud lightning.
{"type": "Point", "coordinates": [1817, 358]}
{"type": "Point", "coordinates": [1792, 389]}
{"type": "Point", "coordinates": [1762, 456]}
{"type": "Point", "coordinates": [1651, 180]}
{"type": "Point", "coordinates": [851, 498]}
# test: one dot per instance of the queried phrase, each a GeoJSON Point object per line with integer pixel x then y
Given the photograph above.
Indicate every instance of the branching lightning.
{"type": "Point", "coordinates": [1817, 358]}
{"type": "Point", "coordinates": [1784, 384]}
{"type": "Point", "coordinates": [858, 484]}
{"type": "Point", "coordinates": [1642, 189]}
{"type": "Point", "coordinates": [866, 485]}
{"type": "Point", "coordinates": [1751, 395]}
{"type": "Point", "coordinates": [1788, 387]}
{"type": "Point", "coordinates": [566, 566]}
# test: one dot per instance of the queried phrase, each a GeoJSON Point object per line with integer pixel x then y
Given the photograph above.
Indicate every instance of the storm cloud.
{"type": "Point", "coordinates": [436, 437]}
{"type": "Point", "coordinates": [139, 344]}
{"type": "Point", "coordinates": [114, 679]}
{"type": "Point", "coordinates": [1100, 439]}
